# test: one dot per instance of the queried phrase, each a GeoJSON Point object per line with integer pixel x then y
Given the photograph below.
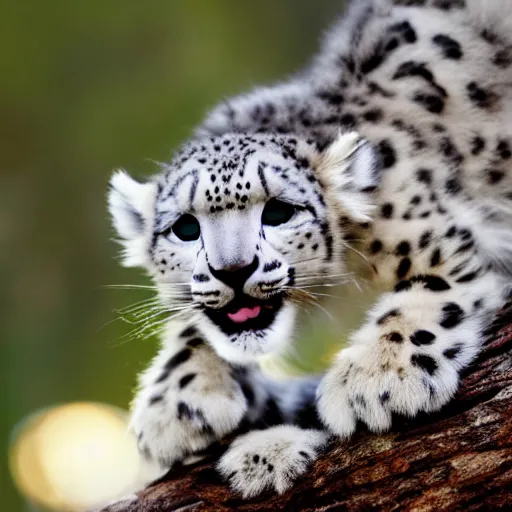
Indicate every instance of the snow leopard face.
{"type": "Point", "coordinates": [240, 224]}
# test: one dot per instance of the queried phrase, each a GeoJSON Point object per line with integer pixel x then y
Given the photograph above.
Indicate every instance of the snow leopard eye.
{"type": "Point", "coordinates": [277, 212]}
{"type": "Point", "coordinates": [186, 228]}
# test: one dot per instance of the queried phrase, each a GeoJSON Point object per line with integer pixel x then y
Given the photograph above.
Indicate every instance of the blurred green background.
{"type": "Point", "coordinates": [86, 87]}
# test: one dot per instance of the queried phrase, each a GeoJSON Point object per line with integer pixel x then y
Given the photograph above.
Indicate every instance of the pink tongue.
{"type": "Point", "coordinates": [244, 314]}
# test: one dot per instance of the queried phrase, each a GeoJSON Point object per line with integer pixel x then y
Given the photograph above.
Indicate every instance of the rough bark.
{"type": "Point", "coordinates": [457, 459]}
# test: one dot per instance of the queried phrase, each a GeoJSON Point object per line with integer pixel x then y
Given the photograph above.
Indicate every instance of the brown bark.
{"type": "Point", "coordinates": [457, 459]}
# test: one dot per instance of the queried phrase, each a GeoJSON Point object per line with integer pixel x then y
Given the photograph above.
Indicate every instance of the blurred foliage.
{"type": "Point", "coordinates": [86, 87]}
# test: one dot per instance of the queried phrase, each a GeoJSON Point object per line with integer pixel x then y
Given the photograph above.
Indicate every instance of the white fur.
{"type": "Point", "coordinates": [270, 459]}
{"type": "Point", "coordinates": [166, 437]}
{"type": "Point", "coordinates": [128, 201]}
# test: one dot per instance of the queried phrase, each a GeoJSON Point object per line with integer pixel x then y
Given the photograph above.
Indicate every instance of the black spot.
{"type": "Point", "coordinates": [431, 282]}
{"type": "Point", "coordinates": [451, 232]}
{"type": "Point", "coordinates": [189, 331]}
{"type": "Point", "coordinates": [348, 120]}
{"type": "Point", "coordinates": [413, 68]}
{"type": "Point", "coordinates": [391, 45]}
{"type": "Point", "coordinates": [453, 186]}
{"type": "Point", "coordinates": [494, 176]}
{"type": "Point", "coordinates": [186, 379]}
{"type": "Point", "coordinates": [452, 353]}
{"type": "Point", "coordinates": [477, 145]}
{"type": "Point", "coordinates": [403, 248]}
{"type": "Point", "coordinates": [387, 154]}
{"type": "Point", "coordinates": [373, 62]}
{"type": "Point", "coordinates": [184, 411]}
{"type": "Point", "coordinates": [395, 336]}
{"type": "Point", "coordinates": [375, 88]}
{"type": "Point", "coordinates": [465, 234]}
{"type": "Point", "coordinates": [450, 151]}
{"type": "Point", "coordinates": [424, 176]}
{"type": "Point", "coordinates": [478, 303]}
{"type": "Point", "coordinates": [422, 337]}
{"type": "Point", "coordinates": [403, 286]}
{"type": "Point", "coordinates": [195, 342]}
{"type": "Point", "coordinates": [425, 239]}
{"type": "Point", "coordinates": [375, 246]}
{"type": "Point", "coordinates": [403, 268]}
{"type": "Point", "coordinates": [155, 399]}
{"type": "Point", "coordinates": [426, 363]}
{"type": "Point", "coordinates": [481, 97]}
{"type": "Point", "coordinates": [386, 211]}
{"type": "Point", "coordinates": [181, 357]}
{"type": "Point", "coordinates": [502, 58]}
{"type": "Point", "coordinates": [503, 149]}
{"type": "Point", "coordinates": [390, 314]}
{"type": "Point", "coordinates": [384, 397]}
{"type": "Point", "coordinates": [415, 200]}
{"type": "Point", "coordinates": [465, 247]}
{"type": "Point", "coordinates": [435, 259]}
{"type": "Point", "coordinates": [270, 468]}
{"type": "Point", "coordinates": [405, 29]}
{"type": "Point", "coordinates": [431, 102]}
{"type": "Point", "coordinates": [256, 459]}
{"type": "Point", "coordinates": [489, 36]}
{"type": "Point", "coordinates": [452, 315]}
{"type": "Point", "coordinates": [330, 97]}
{"type": "Point", "coordinates": [451, 49]}
{"type": "Point", "coordinates": [466, 278]}
{"type": "Point", "coordinates": [373, 116]}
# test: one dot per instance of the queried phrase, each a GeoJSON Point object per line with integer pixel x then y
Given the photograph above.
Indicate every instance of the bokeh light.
{"type": "Point", "coordinates": [74, 457]}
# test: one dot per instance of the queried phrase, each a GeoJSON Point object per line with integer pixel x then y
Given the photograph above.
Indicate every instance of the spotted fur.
{"type": "Point", "coordinates": [393, 149]}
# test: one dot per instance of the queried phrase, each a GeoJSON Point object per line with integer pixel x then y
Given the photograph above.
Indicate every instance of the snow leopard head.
{"type": "Point", "coordinates": [237, 228]}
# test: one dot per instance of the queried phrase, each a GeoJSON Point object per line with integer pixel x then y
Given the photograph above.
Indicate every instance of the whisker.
{"type": "Point", "coordinates": [359, 253]}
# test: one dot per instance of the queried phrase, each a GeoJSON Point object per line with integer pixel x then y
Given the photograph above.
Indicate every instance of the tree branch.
{"type": "Point", "coordinates": [457, 459]}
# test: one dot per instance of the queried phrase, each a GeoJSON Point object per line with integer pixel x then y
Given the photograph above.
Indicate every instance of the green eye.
{"type": "Point", "coordinates": [187, 228]}
{"type": "Point", "coordinates": [277, 212]}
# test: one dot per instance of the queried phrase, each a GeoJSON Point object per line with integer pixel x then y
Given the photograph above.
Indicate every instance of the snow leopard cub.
{"type": "Point", "coordinates": [395, 142]}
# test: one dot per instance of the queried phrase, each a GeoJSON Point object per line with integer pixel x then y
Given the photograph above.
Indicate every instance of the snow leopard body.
{"type": "Point", "coordinates": [388, 159]}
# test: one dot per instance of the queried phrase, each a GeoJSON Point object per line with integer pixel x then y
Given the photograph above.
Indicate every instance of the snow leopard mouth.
{"type": "Point", "coordinates": [245, 313]}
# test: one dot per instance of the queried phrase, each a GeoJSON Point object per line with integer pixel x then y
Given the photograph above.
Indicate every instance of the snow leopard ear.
{"type": "Point", "coordinates": [130, 203]}
{"type": "Point", "coordinates": [350, 169]}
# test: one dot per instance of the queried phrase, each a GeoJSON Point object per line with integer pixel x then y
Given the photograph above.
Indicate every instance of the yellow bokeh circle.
{"type": "Point", "coordinates": [74, 457]}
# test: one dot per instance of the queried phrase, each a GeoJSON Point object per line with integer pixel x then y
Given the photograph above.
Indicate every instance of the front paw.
{"type": "Point", "coordinates": [182, 415]}
{"type": "Point", "coordinates": [393, 367]}
{"type": "Point", "coordinates": [270, 459]}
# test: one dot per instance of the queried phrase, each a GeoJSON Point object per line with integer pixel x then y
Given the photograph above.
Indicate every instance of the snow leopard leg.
{"type": "Point", "coordinates": [190, 398]}
{"type": "Point", "coordinates": [408, 355]}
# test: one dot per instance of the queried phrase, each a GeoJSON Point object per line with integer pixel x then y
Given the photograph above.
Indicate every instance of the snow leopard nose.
{"type": "Point", "coordinates": [235, 276]}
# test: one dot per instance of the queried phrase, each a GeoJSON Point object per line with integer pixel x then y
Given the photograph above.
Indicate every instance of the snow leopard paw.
{"type": "Point", "coordinates": [405, 359]}
{"type": "Point", "coordinates": [270, 459]}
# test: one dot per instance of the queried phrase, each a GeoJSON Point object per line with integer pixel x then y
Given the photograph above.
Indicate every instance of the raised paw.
{"type": "Point", "coordinates": [187, 401]}
{"type": "Point", "coordinates": [404, 360]}
{"type": "Point", "coordinates": [270, 459]}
